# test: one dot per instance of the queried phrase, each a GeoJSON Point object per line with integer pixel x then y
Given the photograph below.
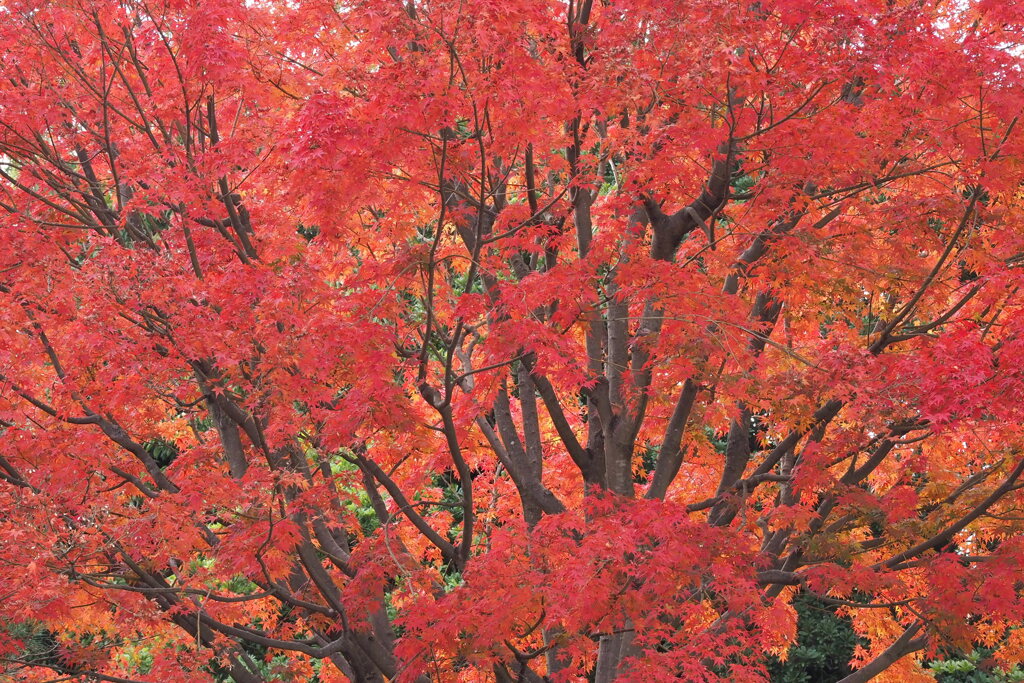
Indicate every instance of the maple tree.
{"type": "Point", "coordinates": [516, 341]}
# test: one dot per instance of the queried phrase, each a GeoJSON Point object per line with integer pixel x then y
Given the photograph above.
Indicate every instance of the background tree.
{"type": "Point", "coordinates": [823, 649]}
{"type": "Point", "coordinates": [518, 341]}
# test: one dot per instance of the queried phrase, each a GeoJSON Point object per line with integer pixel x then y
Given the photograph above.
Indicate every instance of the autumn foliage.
{"type": "Point", "coordinates": [518, 341]}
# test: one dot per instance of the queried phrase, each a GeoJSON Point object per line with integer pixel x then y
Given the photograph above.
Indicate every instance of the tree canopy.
{"type": "Point", "coordinates": [517, 341]}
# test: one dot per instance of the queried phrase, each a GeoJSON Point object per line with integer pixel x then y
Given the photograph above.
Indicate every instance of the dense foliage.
{"type": "Point", "coordinates": [516, 341]}
{"type": "Point", "coordinates": [975, 667]}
